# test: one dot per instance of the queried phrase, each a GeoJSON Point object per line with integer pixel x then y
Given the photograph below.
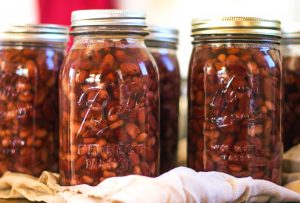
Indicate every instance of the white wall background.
{"type": "Point", "coordinates": [179, 13]}
{"type": "Point", "coordinates": [18, 11]}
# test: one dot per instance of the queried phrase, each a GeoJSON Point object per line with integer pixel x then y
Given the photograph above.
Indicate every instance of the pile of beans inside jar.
{"type": "Point", "coordinates": [109, 115]}
{"type": "Point", "coordinates": [169, 108]}
{"type": "Point", "coordinates": [291, 118]}
{"type": "Point", "coordinates": [28, 109]}
{"type": "Point", "coordinates": [233, 126]}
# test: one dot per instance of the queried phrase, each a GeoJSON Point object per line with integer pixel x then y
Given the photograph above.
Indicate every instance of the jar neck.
{"type": "Point", "coordinates": [161, 44]}
{"type": "Point", "coordinates": [290, 41]}
{"type": "Point", "coordinates": [38, 44]}
{"type": "Point", "coordinates": [125, 41]}
{"type": "Point", "coordinates": [110, 30]}
{"type": "Point", "coordinates": [241, 45]}
{"type": "Point", "coordinates": [239, 38]}
{"type": "Point", "coordinates": [130, 34]}
{"type": "Point", "coordinates": [137, 38]}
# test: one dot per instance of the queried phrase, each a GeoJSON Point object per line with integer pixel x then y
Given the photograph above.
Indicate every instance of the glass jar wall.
{"type": "Point", "coordinates": [109, 100]}
{"type": "Point", "coordinates": [235, 97]}
{"type": "Point", "coordinates": [30, 58]}
{"type": "Point", "coordinates": [162, 43]}
{"type": "Point", "coordinates": [291, 81]}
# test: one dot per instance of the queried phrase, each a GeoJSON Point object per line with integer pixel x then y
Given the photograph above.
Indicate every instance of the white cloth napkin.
{"type": "Point", "coordinates": [180, 185]}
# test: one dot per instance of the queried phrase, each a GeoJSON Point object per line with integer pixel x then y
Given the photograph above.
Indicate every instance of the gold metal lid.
{"type": "Point", "coordinates": [236, 25]}
{"type": "Point", "coordinates": [163, 34]}
{"type": "Point", "coordinates": [110, 17]}
{"type": "Point", "coordinates": [34, 33]}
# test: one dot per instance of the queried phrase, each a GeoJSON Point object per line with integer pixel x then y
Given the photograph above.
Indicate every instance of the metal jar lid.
{"type": "Point", "coordinates": [236, 25]}
{"type": "Point", "coordinates": [34, 33]}
{"type": "Point", "coordinates": [109, 17]}
{"type": "Point", "coordinates": [163, 34]}
{"type": "Point", "coordinates": [291, 30]}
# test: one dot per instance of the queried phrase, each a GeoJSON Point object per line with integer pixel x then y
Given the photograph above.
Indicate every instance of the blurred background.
{"type": "Point", "coordinates": [170, 13]}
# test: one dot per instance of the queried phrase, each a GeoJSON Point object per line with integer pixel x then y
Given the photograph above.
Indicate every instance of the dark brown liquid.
{"type": "Point", "coordinates": [235, 111]}
{"type": "Point", "coordinates": [169, 108]}
{"type": "Point", "coordinates": [291, 116]}
{"type": "Point", "coordinates": [29, 109]}
{"type": "Point", "coordinates": [109, 103]}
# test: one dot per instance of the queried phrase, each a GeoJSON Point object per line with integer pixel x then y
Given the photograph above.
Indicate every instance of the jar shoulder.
{"type": "Point", "coordinates": [227, 56]}
{"type": "Point", "coordinates": [102, 57]}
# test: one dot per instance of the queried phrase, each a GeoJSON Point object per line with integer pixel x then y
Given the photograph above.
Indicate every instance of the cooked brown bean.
{"type": "Point", "coordinates": [291, 81]}
{"type": "Point", "coordinates": [234, 110]}
{"type": "Point", "coordinates": [105, 115]}
{"type": "Point", "coordinates": [169, 106]}
{"type": "Point", "coordinates": [29, 122]}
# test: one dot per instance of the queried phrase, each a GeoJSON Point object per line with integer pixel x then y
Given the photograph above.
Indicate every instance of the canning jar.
{"type": "Point", "coordinates": [235, 95]}
{"type": "Point", "coordinates": [30, 58]}
{"type": "Point", "coordinates": [109, 99]}
{"type": "Point", "coordinates": [162, 44]}
{"type": "Point", "coordinates": [291, 81]}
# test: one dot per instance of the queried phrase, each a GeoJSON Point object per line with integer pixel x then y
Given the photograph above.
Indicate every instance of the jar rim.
{"type": "Point", "coordinates": [108, 17]}
{"type": "Point", "coordinates": [236, 25]}
{"type": "Point", "coordinates": [162, 34]}
{"type": "Point", "coordinates": [236, 38]}
{"type": "Point", "coordinates": [34, 33]}
{"type": "Point", "coordinates": [108, 30]}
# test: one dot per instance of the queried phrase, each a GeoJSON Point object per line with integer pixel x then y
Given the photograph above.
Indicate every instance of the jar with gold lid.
{"type": "Point", "coordinates": [109, 99]}
{"type": "Point", "coordinates": [235, 96]}
{"type": "Point", "coordinates": [162, 44]}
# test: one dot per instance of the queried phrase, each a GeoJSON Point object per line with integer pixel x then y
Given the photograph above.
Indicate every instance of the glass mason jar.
{"type": "Point", "coordinates": [109, 99]}
{"type": "Point", "coordinates": [291, 81]}
{"type": "Point", "coordinates": [235, 95]}
{"type": "Point", "coordinates": [30, 58]}
{"type": "Point", "coordinates": [162, 44]}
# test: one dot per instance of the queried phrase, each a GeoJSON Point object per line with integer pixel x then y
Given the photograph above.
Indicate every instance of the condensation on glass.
{"type": "Point", "coordinates": [30, 58]}
{"type": "Point", "coordinates": [162, 43]}
{"type": "Point", "coordinates": [109, 100]}
{"type": "Point", "coordinates": [235, 96]}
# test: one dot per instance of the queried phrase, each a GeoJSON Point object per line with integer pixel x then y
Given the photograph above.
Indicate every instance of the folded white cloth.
{"type": "Point", "coordinates": [182, 185]}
